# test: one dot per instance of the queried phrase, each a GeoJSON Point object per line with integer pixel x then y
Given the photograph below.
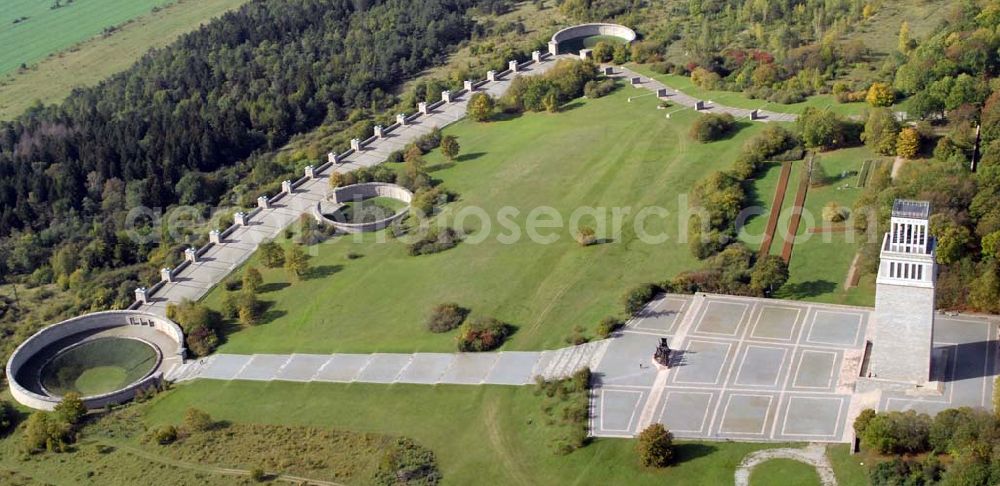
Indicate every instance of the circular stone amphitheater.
{"type": "Point", "coordinates": [105, 357]}
{"type": "Point", "coordinates": [364, 207]}
{"type": "Point", "coordinates": [581, 36]}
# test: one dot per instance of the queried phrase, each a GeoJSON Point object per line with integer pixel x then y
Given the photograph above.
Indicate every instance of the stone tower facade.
{"type": "Point", "coordinates": [904, 298]}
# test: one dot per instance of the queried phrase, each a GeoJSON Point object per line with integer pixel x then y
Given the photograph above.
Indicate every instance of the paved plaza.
{"type": "Point", "coordinates": [768, 370]}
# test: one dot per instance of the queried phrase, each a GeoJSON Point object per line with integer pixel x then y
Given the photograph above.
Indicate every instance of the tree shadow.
{"type": "Point", "coordinates": [273, 287]}
{"type": "Point", "coordinates": [571, 106]}
{"type": "Point", "coordinates": [441, 166]}
{"type": "Point", "coordinates": [323, 271]}
{"type": "Point", "coordinates": [504, 116]}
{"type": "Point", "coordinates": [688, 451]}
{"type": "Point", "coordinates": [802, 290]}
{"type": "Point", "coordinates": [469, 156]}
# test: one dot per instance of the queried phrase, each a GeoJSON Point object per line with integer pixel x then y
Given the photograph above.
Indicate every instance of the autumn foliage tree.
{"type": "Point", "coordinates": [481, 106]}
{"type": "Point", "coordinates": [880, 94]}
{"type": "Point", "coordinates": [908, 143]}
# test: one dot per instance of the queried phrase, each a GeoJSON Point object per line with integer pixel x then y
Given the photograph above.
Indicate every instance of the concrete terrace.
{"type": "Point", "coordinates": [770, 370]}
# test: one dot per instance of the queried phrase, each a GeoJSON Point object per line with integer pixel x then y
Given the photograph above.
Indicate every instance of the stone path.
{"type": "Point", "coordinates": [814, 455]}
{"type": "Point", "coordinates": [502, 368]}
{"type": "Point", "coordinates": [678, 97]}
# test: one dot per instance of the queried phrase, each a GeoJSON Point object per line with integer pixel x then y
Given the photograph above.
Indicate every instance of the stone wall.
{"type": "Point", "coordinates": [589, 30]}
{"type": "Point", "coordinates": [363, 191]}
{"type": "Point", "coordinates": [76, 325]}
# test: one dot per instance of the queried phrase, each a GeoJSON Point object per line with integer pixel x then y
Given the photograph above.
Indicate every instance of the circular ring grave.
{"type": "Point", "coordinates": [365, 207]}
{"type": "Point", "coordinates": [572, 39]}
{"type": "Point", "coordinates": [105, 357]}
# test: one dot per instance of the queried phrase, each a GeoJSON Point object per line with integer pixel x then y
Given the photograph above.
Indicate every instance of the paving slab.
{"type": "Point", "coordinates": [384, 368]}
{"type": "Point", "coordinates": [775, 323]}
{"type": "Point", "coordinates": [426, 368]}
{"type": "Point", "coordinates": [302, 367]}
{"type": "Point", "coordinates": [225, 366]}
{"type": "Point", "coordinates": [514, 368]}
{"type": "Point", "coordinates": [812, 417]}
{"type": "Point", "coordinates": [470, 368]}
{"type": "Point", "coordinates": [745, 414]}
{"type": "Point", "coordinates": [815, 369]}
{"type": "Point", "coordinates": [618, 410]}
{"type": "Point", "coordinates": [703, 362]}
{"type": "Point", "coordinates": [721, 318]}
{"type": "Point", "coordinates": [686, 413]}
{"type": "Point", "coordinates": [834, 327]}
{"type": "Point", "coordinates": [342, 367]}
{"type": "Point", "coordinates": [263, 367]}
{"type": "Point", "coordinates": [660, 316]}
{"type": "Point", "coordinates": [761, 365]}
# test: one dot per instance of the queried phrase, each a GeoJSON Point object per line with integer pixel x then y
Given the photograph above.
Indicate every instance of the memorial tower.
{"type": "Point", "coordinates": [904, 298]}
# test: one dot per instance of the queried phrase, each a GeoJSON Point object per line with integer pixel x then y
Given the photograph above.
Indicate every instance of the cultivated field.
{"type": "Point", "coordinates": [54, 72]}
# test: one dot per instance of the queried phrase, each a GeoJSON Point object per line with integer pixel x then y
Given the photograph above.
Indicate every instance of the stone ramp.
{"type": "Point", "coordinates": [501, 368]}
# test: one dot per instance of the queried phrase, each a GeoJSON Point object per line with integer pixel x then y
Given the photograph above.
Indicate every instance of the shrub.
{"type": "Point", "coordinates": [609, 325]}
{"type": "Point", "coordinates": [446, 317]}
{"type": "Point", "coordinates": [233, 283]}
{"type": "Point", "coordinates": [595, 89]}
{"type": "Point", "coordinates": [201, 341]}
{"type": "Point", "coordinates": [636, 298]}
{"type": "Point", "coordinates": [833, 212]}
{"type": "Point", "coordinates": [861, 423]}
{"type": "Point", "coordinates": [897, 433]}
{"type": "Point", "coordinates": [436, 240]}
{"type": "Point", "coordinates": [711, 126]}
{"type": "Point", "coordinates": [44, 431]}
{"type": "Point", "coordinates": [271, 254]}
{"type": "Point", "coordinates": [817, 174]}
{"type": "Point", "coordinates": [394, 156]}
{"type": "Point", "coordinates": [586, 236]}
{"type": "Point", "coordinates": [258, 475]}
{"type": "Point", "coordinates": [296, 262]}
{"type": "Point", "coordinates": [481, 106]}
{"type": "Point", "coordinates": [164, 434]}
{"type": "Point", "coordinates": [450, 147]}
{"type": "Point", "coordinates": [407, 462]}
{"type": "Point", "coordinates": [71, 408]}
{"type": "Point", "coordinates": [577, 337]}
{"type": "Point", "coordinates": [482, 334]}
{"type": "Point", "coordinates": [655, 446]}
{"type": "Point", "coordinates": [8, 416]}
{"type": "Point", "coordinates": [252, 279]}
{"type": "Point", "coordinates": [196, 420]}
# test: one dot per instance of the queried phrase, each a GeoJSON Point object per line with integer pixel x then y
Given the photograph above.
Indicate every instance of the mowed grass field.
{"type": "Point", "coordinates": [51, 78]}
{"type": "Point", "coordinates": [479, 434]}
{"type": "Point", "coordinates": [605, 153]}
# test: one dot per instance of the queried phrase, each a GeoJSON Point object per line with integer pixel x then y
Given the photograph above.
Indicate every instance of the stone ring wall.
{"type": "Point", "coordinates": [366, 190]}
{"type": "Point", "coordinates": [589, 30]}
{"type": "Point", "coordinates": [163, 334]}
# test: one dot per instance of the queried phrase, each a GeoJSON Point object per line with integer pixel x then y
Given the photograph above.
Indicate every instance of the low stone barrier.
{"type": "Point", "coordinates": [360, 192]}
{"type": "Point", "coordinates": [81, 324]}
{"type": "Point", "coordinates": [590, 30]}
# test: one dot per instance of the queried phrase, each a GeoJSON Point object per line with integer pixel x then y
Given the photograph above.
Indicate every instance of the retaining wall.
{"type": "Point", "coordinates": [589, 30]}
{"type": "Point", "coordinates": [76, 325]}
{"type": "Point", "coordinates": [363, 191]}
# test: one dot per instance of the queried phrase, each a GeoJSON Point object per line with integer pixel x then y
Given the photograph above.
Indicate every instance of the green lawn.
{"type": "Point", "coordinates": [740, 100]}
{"type": "Point", "coordinates": [47, 30]}
{"type": "Point", "coordinates": [784, 471]}
{"type": "Point", "coordinates": [821, 261]}
{"type": "Point", "coordinates": [480, 435]}
{"type": "Point", "coordinates": [85, 63]}
{"type": "Point", "coordinates": [99, 366]}
{"type": "Point", "coordinates": [847, 467]}
{"type": "Point", "coordinates": [603, 153]}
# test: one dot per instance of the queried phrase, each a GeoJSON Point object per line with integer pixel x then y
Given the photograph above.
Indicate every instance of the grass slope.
{"type": "Point", "coordinates": [601, 153]}
{"type": "Point", "coordinates": [96, 58]}
{"type": "Point", "coordinates": [480, 435]}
